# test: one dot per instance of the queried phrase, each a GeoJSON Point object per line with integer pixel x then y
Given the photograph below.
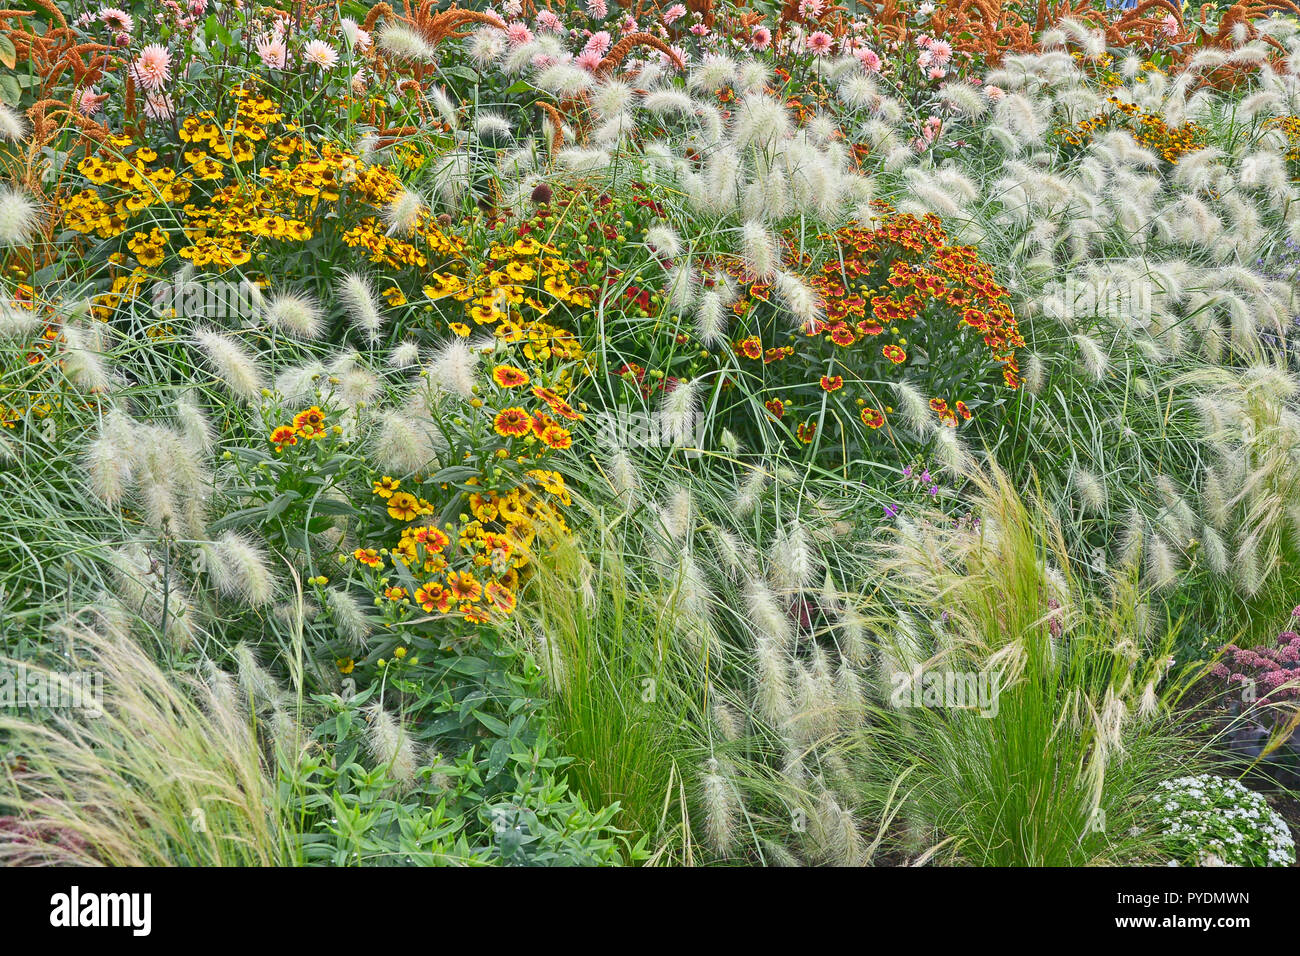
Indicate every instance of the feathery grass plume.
{"type": "Point", "coordinates": [850, 696]}
{"type": "Point", "coordinates": [348, 615]}
{"type": "Point", "coordinates": [390, 744]}
{"type": "Point", "coordinates": [721, 808]}
{"type": "Point", "coordinates": [792, 561]}
{"type": "Point", "coordinates": [964, 98]}
{"type": "Point", "coordinates": [19, 216]}
{"type": "Point", "coordinates": [13, 126]}
{"type": "Point", "coordinates": [1218, 505]}
{"type": "Point", "coordinates": [832, 833]}
{"type": "Point", "coordinates": [1035, 372]}
{"type": "Point", "coordinates": [677, 513]}
{"type": "Point", "coordinates": [194, 426]}
{"type": "Point", "coordinates": [563, 80]}
{"type": "Point", "coordinates": [749, 492]}
{"type": "Point", "coordinates": [403, 43]}
{"type": "Point", "coordinates": [681, 286]}
{"type": "Point", "coordinates": [759, 251]}
{"type": "Point", "coordinates": [296, 315]}
{"type": "Point", "coordinates": [798, 297]}
{"type": "Point", "coordinates": [452, 369]}
{"type": "Point", "coordinates": [766, 616]}
{"type": "Point", "coordinates": [912, 406]}
{"type": "Point", "coordinates": [239, 569]}
{"type": "Point", "coordinates": [450, 177]}
{"type": "Point", "coordinates": [118, 787]}
{"type": "Point", "coordinates": [232, 363]}
{"type": "Point", "coordinates": [771, 681]}
{"type": "Point", "coordinates": [1095, 360]}
{"type": "Point", "coordinates": [1089, 489]}
{"type": "Point", "coordinates": [256, 684]}
{"type": "Point", "coordinates": [610, 98]}
{"type": "Point", "coordinates": [362, 306]}
{"type": "Point", "coordinates": [1161, 568]}
{"type": "Point", "coordinates": [110, 458]}
{"type": "Point", "coordinates": [403, 443]}
{"type": "Point", "coordinates": [1132, 538]}
{"type": "Point", "coordinates": [18, 323]}
{"type": "Point", "coordinates": [404, 354]}
{"type": "Point", "coordinates": [710, 318]}
{"type": "Point", "coordinates": [83, 360]}
{"type": "Point", "coordinates": [951, 452]}
{"type": "Point", "coordinates": [298, 383]}
{"type": "Point", "coordinates": [735, 557]}
{"type": "Point", "coordinates": [1215, 551]}
{"type": "Point", "coordinates": [664, 240]}
{"type": "Point", "coordinates": [404, 212]}
{"type": "Point", "coordinates": [678, 412]}
{"type": "Point", "coordinates": [1249, 567]}
{"type": "Point", "coordinates": [623, 477]}
{"type": "Point", "coordinates": [729, 724]}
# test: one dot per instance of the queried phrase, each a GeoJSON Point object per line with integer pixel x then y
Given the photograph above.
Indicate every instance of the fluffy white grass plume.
{"type": "Point", "coordinates": [792, 562]}
{"type": "Point", "coordinates": [1089, 489]}
{"type": "Point", "coordinates": [771, 681]}
{"type": "Point", "coordinates": [194, 425]}
{"type": "Point", "coordinates": [390, 744]}
{"type": "Point", "coordinates": [711, 317]}
{"type": "Point", "coordinates": [677, 513]}
{"type": "Point", "coordinates": [404, 43]}
{"type": "Point", "coordinates": [623, 475]}
{"type": "Point", "coordinates": [294, 314]}
{"type": "Point", "coordinates": [758, 251]}
{"type": "Point", "coordinates": [453, 367]}
{"type": "Point", "coordinates": [1094, 359]}
{"type": "Point", "coordinates": [964, 98]}
{"type": "Point", "coordinates": [110, 458]}
{"type": "Point", "coordinates": [83, 361]}
{"type": "Point", "coordinates": [18, 323]}
{"type": "Point", "coordinates": [403, 213]}
{"type": "Point", "coordinates": [678, 411]}
{"type": "Point", "coordinates": [348, 616]}
{"type": "Point", "coordinates": [12, 125]}
{"type": "Point", "coordinates": [912, 405]}
{"type": "Point", "coordinates": [362, 306]}
{"type": "Point", "coordinates": [798, 297]}
{"type": "Point", "coordinates": [749, 492]}
{"type": "Point", "coordinates": [404, 354]}
{"type": "Point", "coordinates": [403, 443]}
{"type": "Point", "coordinates": [766, 616]}
{"type": "Point", "coordinates": [232, 363]}
{"type": "Point", "coordinates": [19, 216]}
{"type": "Point", "coordinates": [721, 809]}
{"type": "Point", "coordinates": [240, 570]}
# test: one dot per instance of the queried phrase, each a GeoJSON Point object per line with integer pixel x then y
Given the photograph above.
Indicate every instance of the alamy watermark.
{"type": "Point", "coordinates": [24, 687]}
{"type": "Point", "coordinates": [206, 298]}
{"type": "Point", "coordinates": [631, 429]}
{"type": "Point", "coordinates": [1127, 299]}
{"type": "Point", "coordinates": [966, 690]}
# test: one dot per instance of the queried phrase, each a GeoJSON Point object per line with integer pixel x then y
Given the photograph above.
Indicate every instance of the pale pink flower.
{"type": "Point", "coordinates": [89, 101]}
{"type": "Point", "coordinates": [673, 14]}
{"type": "Point", "coordinates": [598, 43]}
{"type": "Point", "coordinates": [820, 43]}
{"type": "Point", "coordinates": [1169, 26]}
{"type": "Point", "coordinates": [542, 60]}
{"type": "Point", "coordinates": [941, 51]}
{"type": "Point", "coordinates": [152, 67]}
{"type": "Point", "coordinates": [629, 25]}
{"type": "Point", "coordinates": [272, 51]}
{"type": "Point", "coordinates": [994, 93]}
{"type": "Point", "coordinates": [198, 7]}
{"type": "Point", "coordinates": [700, 30]}
{"type": "Point", "coordinates": [117, 20]}
{"type": "Point", "coordinates": [870, 60]}
{"type": "Point", "coordinates": [320, 53]}
{"type": "Point", "coordinates": [588, 60]}
{"type": "Point", "coordinates": [546, 20]}
{"type": "Point", "coordinates": [810, 9]}
{"type": "Point", "coordinates": [518, 33]}
{"type": "Point", "coordinates": [937, 73]}
{"type": "Point", "coordinates": [760, 38]}
{"type": "Point", "coordinates": [924, 59]}
{"type": "Point", "coordinates": [159, 106]}
{"type": "Point", "coordinates": [682, 57]}
{"type": "Point", "coordinates": [597, 10]}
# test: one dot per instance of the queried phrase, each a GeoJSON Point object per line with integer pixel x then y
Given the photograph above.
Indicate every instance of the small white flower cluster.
{"type": "Point", "coordinates": [1216, 821]}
